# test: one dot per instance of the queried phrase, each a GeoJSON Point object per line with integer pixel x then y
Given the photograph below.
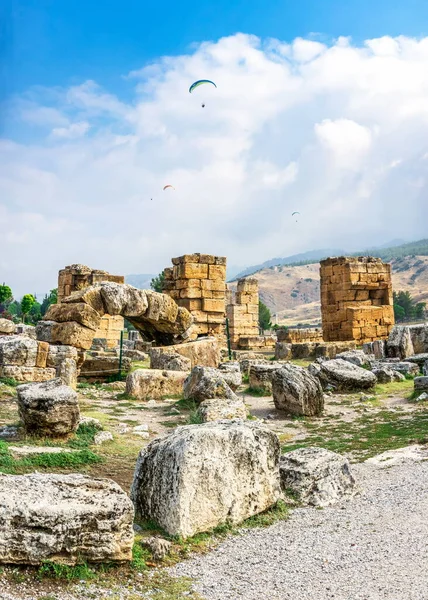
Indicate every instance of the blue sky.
{"type": "Point", "coordinates": [60, 42]}
{"type": "Point", "coordinates": [321, 107]}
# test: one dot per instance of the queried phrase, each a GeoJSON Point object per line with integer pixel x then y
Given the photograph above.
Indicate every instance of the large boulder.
{"type": "Point", "coordinates": [342, 375]}
{"type": "Point", "coordinates": [201, 476]}
{"type": "Point", "coordinates": [66, 519]}
{"type": "Point", "coordinates": [356, 357]}
{"type": "Point", "coordinates": [283, 351]}
{"type": "Point", "coordinates": [296, 391]}
{"type": "Point", "coordinates": [231, 373]}
{"type": "Point", "coordinates": [169, 361]}
{"type": "Point", "coordinates": [59, 353]}
{"type": "Point", "coordinates": [7, 327]}
{"type": "Point", "coordinates": [317, 476]}
{"type": "Point", "coordinates": [399, 343]}
{"type": "Point", "coordinates": [203, 352]}
{"type": "Point", "coordinates": [155, 384]}
{"type": "Point", "coordinates": [48, 409]}
{"type": "Point", "coordinates": [246, 363]}
{"type": "Point", "coordinates": [18, 350]}
{"type": "Point", "coordinates": [219, 409]}
{"type": "Point", "coordinates": [205, 383]}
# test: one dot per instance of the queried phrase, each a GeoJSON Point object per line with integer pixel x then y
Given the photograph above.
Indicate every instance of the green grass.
{"type": "Point", "coordinates": [396, 387]}
{"type": "Point", "coordinates": [256, 392]}
{"type": "Point", "coordinates": [50, 570]}
{"type": "Point", "coordinates": [368, 435]}
{"type": "Point", "coordinates": [61, 460]}
{"type": "Point", "coordinates": [9, 381]}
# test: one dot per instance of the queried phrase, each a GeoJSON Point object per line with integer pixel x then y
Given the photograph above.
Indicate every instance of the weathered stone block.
{"type": "Point", "coordinates": [146, 384]}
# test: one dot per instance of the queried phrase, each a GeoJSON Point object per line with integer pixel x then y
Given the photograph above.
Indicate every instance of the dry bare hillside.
{"type": "Point", "coordinates": [292, 293]}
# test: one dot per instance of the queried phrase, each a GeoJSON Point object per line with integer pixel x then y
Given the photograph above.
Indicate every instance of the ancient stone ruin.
{"type": "Point", "coordinates": [356, 299]}
{"type": "Point", "coordinates": [78, 277]}
{"type": "Point", "coordinates": [243, 312]}
{"type": "Point", "coordinates": [197, 282]}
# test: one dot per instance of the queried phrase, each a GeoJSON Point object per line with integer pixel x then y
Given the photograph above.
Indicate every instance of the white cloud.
{"type": "Point", "coordinates": [75, 130]}
{"type": "Point", "coordinates": [336, 132]}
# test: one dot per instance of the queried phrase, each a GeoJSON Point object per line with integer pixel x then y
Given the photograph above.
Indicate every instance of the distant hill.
{"type": "Point", "coordinates": [385, 252]}
{"type": "Point", "coordinates": [305, 257]}
{"type": "Point", "coordinates": [140, 281]}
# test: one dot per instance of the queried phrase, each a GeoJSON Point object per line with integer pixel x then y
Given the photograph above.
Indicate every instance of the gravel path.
{"type": "Point", "coordinates": [373, 547]}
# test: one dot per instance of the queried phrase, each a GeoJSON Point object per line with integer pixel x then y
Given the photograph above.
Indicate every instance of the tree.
{"type": "Point", "coordinates": [35, 312]}
{"type": "Point", "coordinates": [157, 282]}
{"type": "Point", "coordinates": [27, 304]}
{"type": "Point", "coordinates": [264, 316]}
{"type": "Point", "coordinates": [399, 313]}
{"type": "Point", "coordinates": [5, 294]}
{"type": "Point", "coordinates": [52, 298]}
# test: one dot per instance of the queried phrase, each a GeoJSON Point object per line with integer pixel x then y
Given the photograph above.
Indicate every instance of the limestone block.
{"type": "Point", "coordinates": [211, 305]}
{"type": "Point", "coordinates": [147, 384]}
{"type": "Point", "coordinates": [65, 519]}
{"type": "Point", "coordinates": [42, 354]}
{"type": "Point", "coordinates": [188, 283]}
{"type": "Point", "coordinates": [7, 327]}
{"type": "Point", "coordinates": [217, 272]}
{"type": "Point", "coordinates": [27, 374]}
{"type": "Point", "coordinates": [191, 292]}
{"type": "Point", "coordinates": [190, 270]}
{"type": "Point", "coordinates": [18, 350]}
{"type": "Point", "coordinates": [220, 409]}
{"type": "Point", "coordinates": [69, 334]}
{"type": "Point", "coordinates": [91, 296]}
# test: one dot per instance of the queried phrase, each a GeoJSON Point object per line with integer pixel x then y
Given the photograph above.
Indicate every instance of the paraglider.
{"type": "Point", "coordinates": [296, 212]}
{"type": "Point", "coordinates": [168, 186]}
{"type": "Point", "coordinates": [198, 83]}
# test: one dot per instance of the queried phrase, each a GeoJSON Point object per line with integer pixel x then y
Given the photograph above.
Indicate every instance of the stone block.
{"type": "Point", "coordinates": [212, 305]}
{"type": "Point", "coordinates": [192, 271]}
{"type": "Point", "coordinates": [216, 272]}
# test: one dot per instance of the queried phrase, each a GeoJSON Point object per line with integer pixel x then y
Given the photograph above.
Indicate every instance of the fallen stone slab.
{"type": "Point", "coordinates": [169, 361]}
{"type": "Point", "coordinates": [203, 352]}
{"type": "Point", "coordinates": [231, 373]}
{"type": "Point", "coordinates": [66, 519]}
{"type": "Point", "coordinates": [318, 477]}
{"type": "Point", "coordinates": [155, 384]}
{"type": "Point", "coordinates": [201, 476]}
{"type": "Point", "coordinates": [342, 375]}
{"type": "Point", "coordinates": [23, 451]}
{"type": "Point", "coordinates": [356, 357]}
{"type": "Point", "coordinates": [18, 350]}
{"type": "Point", "coordinates": [419, 359]}
{"type": "Point", "coordinates": [413, 453]}
{"type": "Point", "coordinates": [260, 376]}
{"type": "Point", "coordinates": [27, 374]}
{"type": "Point", "coordinates": [403, 367]}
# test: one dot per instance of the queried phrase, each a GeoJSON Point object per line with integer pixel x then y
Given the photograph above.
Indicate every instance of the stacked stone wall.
{"type": "Point", "coordinates": [356, 299]}
{"type": "Point", "coordinates": [197, 282]}
{"type": "Point", "coordinates": [243, 311]}
{"type": "Point", "coordinates": [296, 336]}
{"type": "Point", "coordinates": [77, 277]}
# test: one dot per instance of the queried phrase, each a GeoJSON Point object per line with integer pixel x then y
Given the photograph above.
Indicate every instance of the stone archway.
{"type": "Point", "coordinates": [75, 320]}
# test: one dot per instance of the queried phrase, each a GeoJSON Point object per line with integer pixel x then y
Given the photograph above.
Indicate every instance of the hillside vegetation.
{"type": "Point", "coordinates": [292, 292]}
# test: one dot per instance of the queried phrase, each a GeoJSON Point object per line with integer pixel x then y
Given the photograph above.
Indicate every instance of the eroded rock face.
{"type": "Point", "coordinates": [205, 383]}
{"type": "Point", "coordinates": [218, 409]}
{"type": "Point", "coordinates": [170, 361]}
{"type": "Point", "coordinates": [342, 375]}
{"type": "Point", "coordinates": [48, 409]}
{"type": "Point", "coordinates": [65, 519]}
{"type": "Point", "coordinates": [67, 372]}
{"type": "Point", "coordinates": [200, 476]}
{"type": "Point", "coordinates": [296, 391]}
{"type": "Point", "coordinates": [319, 477]}
{"type": "Point", "coordinates": [146, 384]}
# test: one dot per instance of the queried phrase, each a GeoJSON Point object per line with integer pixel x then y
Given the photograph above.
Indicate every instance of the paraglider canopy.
{"type": "Point", "coordinates": [168, 186]}
{"type": "Point", "coordinates": [200, 82]}
{"type": "Point", "coordinates": [295, 213]}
